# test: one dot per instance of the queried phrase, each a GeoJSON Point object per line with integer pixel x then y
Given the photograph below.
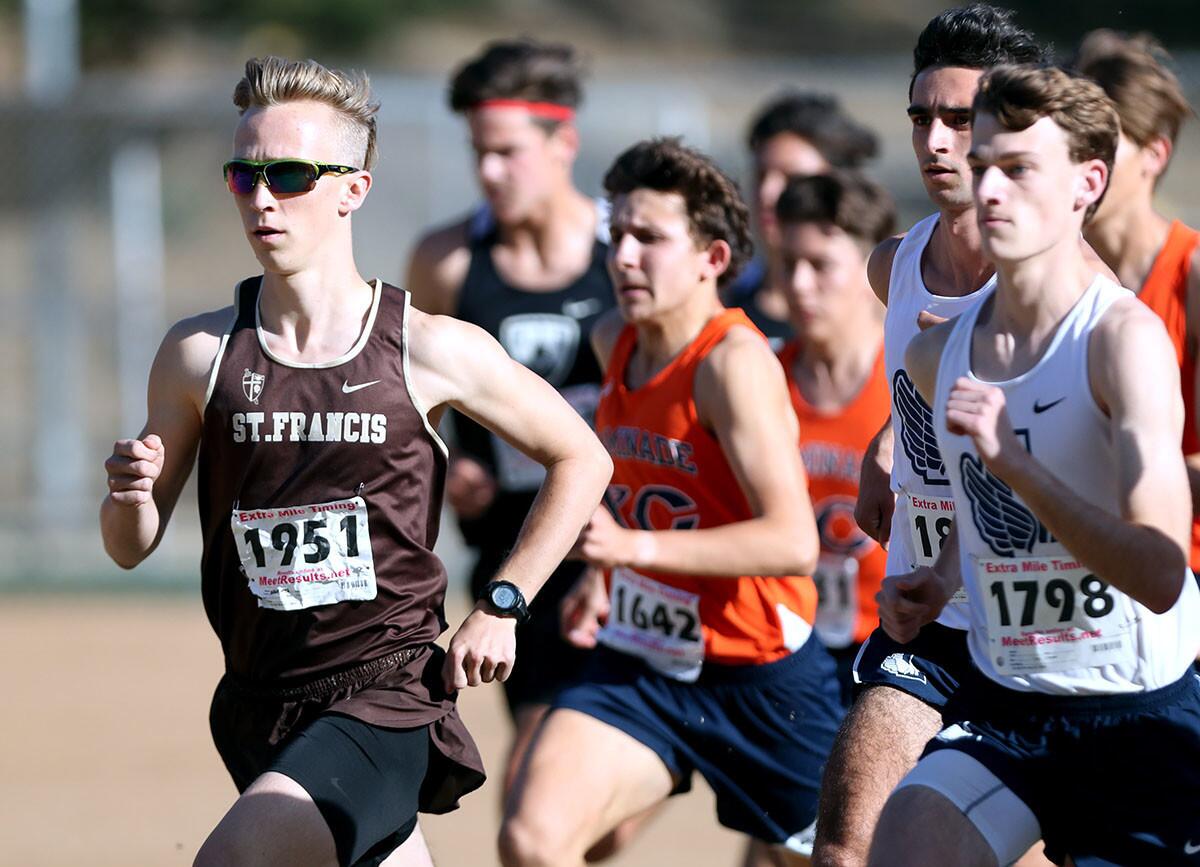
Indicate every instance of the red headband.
{"type": "Point", "coordinates": [548, 110]}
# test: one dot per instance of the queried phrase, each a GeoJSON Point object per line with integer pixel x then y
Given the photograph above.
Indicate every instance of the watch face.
{"type": "Point", "coordinates": [503, 597]}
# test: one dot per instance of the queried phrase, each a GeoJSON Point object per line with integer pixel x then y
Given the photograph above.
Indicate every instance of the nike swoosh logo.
{"type": "Point", "coordinates": [1040, 408]}
{"type": "Point", "coordinates": [347, 388]}
{"type": "Point", "coordinates": [1189, 849]}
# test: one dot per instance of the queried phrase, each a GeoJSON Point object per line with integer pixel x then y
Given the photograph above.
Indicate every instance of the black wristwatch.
{"type": "Point", "coordinates": [506, 599]}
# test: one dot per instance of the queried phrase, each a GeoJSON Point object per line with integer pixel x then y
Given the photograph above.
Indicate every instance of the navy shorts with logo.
{"type": "Point", "coordinates": [1112, 779]}
{"type": "Point", "coordinates": [758, 734]}
{"type": "Point", "coordinates": [929, 668]}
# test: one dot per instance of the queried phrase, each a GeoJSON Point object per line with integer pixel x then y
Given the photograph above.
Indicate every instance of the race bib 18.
{"type": "Point", "coordinates": [930, 520]}
{"type": "Point", "coordinates": [657, 622]}
{"type": "Point", "coordinates": [1050, 614]}
{"type": "Point", "coordinates": [304, 556]}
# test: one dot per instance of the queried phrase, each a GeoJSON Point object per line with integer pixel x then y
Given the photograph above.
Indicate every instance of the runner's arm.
{"type": "Point", "coordinates": [146, 474]}
{"type": "Point", "coordinates": [908, 602]}
{"type": "Point", "coordinates": [879, 267]}
{"type": "Point", "coordinates": [458, 364]}
{"type": "Point", "coordinates": [876, 502]}
{"type": "Point", "coordinates": [742, 397]}
{"type": "Point", "coordinates": [437, 269]}
{"type": "Point", "coordinates": [1135, 379]}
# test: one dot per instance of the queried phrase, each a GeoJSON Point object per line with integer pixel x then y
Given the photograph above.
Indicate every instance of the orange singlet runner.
{"type": "Point", "coordinates": [852, 564]}
{"type": "Point", "coordinates": [1165, 292]}
{"type": "Point", "coordinates": [671, 474]}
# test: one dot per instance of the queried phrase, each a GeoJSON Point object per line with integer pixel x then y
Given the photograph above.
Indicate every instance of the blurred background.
{"type": "Point", "coordinates": [114, 222]}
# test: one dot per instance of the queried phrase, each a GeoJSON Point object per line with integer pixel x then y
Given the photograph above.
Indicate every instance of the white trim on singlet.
{"type": "Point", "coordinates": [377, 288]}
{"type": "Point", "coordinates": [412, 395]}
{"type": "Point", "coordinates": [216, 365]}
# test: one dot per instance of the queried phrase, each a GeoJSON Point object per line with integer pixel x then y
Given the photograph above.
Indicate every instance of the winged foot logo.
{"type": "Point", "coordinates": [916, 430]}
{"type": "Point", "coordinates": [1003, 521]}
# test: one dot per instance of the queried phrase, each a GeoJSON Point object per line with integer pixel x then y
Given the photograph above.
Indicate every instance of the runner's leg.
{"type": "Point", "coordinates": [879, 742]}
{"type": "Point", "coordinates": [273, 824]}
{"type": "Point", "coordinates": [581, 779]}
{"type": "Point", "coordinates": [413, 852]}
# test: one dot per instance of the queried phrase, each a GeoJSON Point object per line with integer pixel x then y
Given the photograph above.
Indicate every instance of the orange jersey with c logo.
{"type": "Point", "coordinates": [1165, 292]}
{"type": "Point", "coordinates": [852, 564]}
{"type": "Point", "coordinates": [670, 473]}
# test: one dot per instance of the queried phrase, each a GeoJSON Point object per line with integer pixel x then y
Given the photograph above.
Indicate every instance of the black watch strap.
{"type": "Point", "coordinates": [506, 599]}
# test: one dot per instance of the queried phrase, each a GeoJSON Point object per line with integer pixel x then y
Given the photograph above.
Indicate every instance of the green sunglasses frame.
{"type": "Point", "coordinates": [260, 171]}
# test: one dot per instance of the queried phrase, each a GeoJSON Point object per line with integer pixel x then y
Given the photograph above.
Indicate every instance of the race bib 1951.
{"type": "Point", "coordinates": [1050, 614]}
{"type": "Point", "coordinates": [836, 578]}
{"type": "Point", "coordinates": [657, 622]}
{"type": "Point", "coordinates": [303, 556]}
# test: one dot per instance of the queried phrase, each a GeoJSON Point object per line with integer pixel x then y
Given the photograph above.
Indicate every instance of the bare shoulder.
{"type": "Point", "coordinates": [924, 354]}
{"type": "Point", "coordinates": [604, 335]}
{"type": "Point", "coordinates": [1129, 348]}
{"type": "Point", "coordinates": [438, 267]}
{"type": "Point", "coordinates": [445, 344]}
{"type": "Point", "coordinates": [188, 352]}
{"type": "Point", "coordinates": [1131, 337]}
{"type": "Point", "coordinates": [879, 266]}
{"type": "Point", "coordinates": [742, 359]}
{"type": "Point", "coordinates": [741, 383]}
{"type": "Point", "coordinates": [1128, 325]}
{"type": "Point", "coordinates": [194, 341]}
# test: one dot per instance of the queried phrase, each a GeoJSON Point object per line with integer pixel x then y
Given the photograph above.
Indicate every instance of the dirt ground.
{"type": "Point", "coordinates": [105, 757]}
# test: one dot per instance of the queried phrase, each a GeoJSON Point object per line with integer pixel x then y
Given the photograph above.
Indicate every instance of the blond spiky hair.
{"type": "Point", "coordinates": [276, 80]}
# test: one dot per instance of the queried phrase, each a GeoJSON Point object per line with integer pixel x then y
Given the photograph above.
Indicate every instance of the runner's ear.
{"type": "Point", "coordinates": [719, 254]}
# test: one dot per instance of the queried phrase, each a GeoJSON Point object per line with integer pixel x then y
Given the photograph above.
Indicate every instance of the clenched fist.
{"type": "Point", "coordinates": [133, 468]}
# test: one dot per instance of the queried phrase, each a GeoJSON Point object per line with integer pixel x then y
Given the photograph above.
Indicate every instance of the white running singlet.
{"type": "Point", "coordinates": [1041, 621]}
{"type": "Point", "coordinates": [924, 506]}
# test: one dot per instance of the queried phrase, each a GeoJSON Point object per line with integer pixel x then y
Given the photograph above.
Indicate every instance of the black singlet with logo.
{"type": "Point", "coordinates": [548, 332]}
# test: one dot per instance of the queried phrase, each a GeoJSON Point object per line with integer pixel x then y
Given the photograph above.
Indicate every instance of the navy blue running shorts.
{"type": "Point", "coordinates": [758, 734]}
{"type": "Point", "coordinates": [929, 667]}
{"type": "Point", "coordinates": [1111, 779]}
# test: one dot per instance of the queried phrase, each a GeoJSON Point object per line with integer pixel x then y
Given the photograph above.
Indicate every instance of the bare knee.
{"type": "Point", "coordinates": [527, 841]}
{"type": "Point", "coordinates": [615, 840]}
{"type": "Point", "coordinates": [879, 742]}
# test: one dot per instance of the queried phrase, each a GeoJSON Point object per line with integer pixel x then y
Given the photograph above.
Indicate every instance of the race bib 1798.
{"type": "Point", "coordinates": [1050, 614]}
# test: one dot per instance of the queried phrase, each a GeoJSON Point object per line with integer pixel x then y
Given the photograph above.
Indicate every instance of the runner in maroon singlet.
{"type": "Point", "coordinates": [313, 403]}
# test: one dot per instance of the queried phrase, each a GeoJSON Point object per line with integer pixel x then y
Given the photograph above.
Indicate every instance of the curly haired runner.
{"type": "Point", "coordinates": [707, 661]}
{"type": "Point", "coordinates": [313, 402]}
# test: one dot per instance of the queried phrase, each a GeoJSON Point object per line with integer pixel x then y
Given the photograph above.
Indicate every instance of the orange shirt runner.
{"type": "Point", "coordinates": [852, 564]}
{"type": "Point", "coordinates": [1165, 292]}
{"type": "Point", "coordinates": [670, 473]}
